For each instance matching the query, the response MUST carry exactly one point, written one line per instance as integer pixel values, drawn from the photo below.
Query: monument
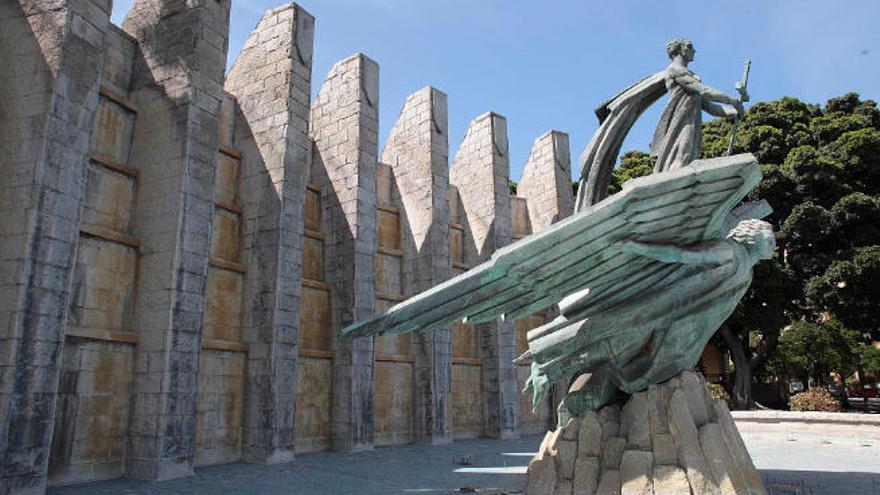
(642, 280)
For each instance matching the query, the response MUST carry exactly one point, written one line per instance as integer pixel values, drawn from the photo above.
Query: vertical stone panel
(271, 79)
(393, 353)
(315, 366)
(417, 151)
(546, 181)
(480, 173)
(51, 58)
(466, 367)
(177, 86)
(344, 128)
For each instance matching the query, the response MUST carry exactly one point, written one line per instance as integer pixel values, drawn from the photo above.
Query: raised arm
(714, 253)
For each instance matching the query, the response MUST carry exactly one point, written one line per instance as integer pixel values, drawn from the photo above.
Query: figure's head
(681, 46)
(757, 236)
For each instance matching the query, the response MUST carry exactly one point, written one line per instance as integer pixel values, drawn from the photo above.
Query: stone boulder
(672, 438)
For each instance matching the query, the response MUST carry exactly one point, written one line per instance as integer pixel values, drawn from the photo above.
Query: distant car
(865, 397)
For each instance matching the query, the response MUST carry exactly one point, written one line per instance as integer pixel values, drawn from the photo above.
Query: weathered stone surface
(737, 449)
(609, 483)
(546, 176)
(590, 435)
(675, 458)
(344, 130)
(690, 453)
(417, 150)
(636, 468)
(563, 487)
(586, 475)
(636, 423)
(612, 451)
(480, 174)
(670, 480)
(663, 447)
(695, 391)
(658, 403)
(609, 414)
(542, 476)
(723, 467)
(610, 429)
(566, 453)
(570, 430)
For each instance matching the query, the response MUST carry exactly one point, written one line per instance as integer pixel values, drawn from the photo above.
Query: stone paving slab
(791, 461)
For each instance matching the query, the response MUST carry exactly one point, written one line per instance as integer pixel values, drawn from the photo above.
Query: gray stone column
(344, 128)
(271, 80)
(51, 54)
(546, 181)
(418, 152)
(480, 172)
(177, 84)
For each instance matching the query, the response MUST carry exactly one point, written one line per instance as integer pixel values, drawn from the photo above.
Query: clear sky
(547, 64)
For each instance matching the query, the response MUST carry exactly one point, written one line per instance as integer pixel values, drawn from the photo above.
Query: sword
(743, 97)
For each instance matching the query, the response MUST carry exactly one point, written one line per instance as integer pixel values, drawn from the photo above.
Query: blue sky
(547, 64)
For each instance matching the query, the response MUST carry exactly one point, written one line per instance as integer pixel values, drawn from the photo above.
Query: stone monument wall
(181, 246)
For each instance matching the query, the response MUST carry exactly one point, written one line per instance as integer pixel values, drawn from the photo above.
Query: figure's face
(688, 52)
(765, 245)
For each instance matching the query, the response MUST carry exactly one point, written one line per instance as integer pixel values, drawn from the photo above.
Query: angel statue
(642, 279)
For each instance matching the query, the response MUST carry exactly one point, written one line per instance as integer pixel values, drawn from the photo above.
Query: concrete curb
(805, 417)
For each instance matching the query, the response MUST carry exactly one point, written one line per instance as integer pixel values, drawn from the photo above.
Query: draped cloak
(678, 136)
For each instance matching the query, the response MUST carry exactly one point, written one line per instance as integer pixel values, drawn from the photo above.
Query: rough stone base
(670, 439)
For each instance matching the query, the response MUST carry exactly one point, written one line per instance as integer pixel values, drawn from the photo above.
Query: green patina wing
(681, 207)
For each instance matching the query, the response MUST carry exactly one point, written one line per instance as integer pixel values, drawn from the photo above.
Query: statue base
(672, 438)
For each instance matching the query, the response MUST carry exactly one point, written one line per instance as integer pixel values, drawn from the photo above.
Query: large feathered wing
(682, 207)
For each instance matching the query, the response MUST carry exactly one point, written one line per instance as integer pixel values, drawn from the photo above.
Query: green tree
(632, 164)
(821, 169)
(822, 176)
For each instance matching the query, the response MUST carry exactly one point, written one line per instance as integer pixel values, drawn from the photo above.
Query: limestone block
(563, 487)
(570, 430)
(612, 451)
(609, 483)
(609, 414)
(658, 402)
(566, 452)
(712, 441)
(690, 453)
(636, 468)
(586, 475)
(695, 390)
(542, 476)
(635, 422)
(670, 480)
(737, 449)
(590, 435)
(664, 450)
(610, 429)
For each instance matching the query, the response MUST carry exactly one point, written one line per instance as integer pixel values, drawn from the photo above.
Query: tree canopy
(822, 177)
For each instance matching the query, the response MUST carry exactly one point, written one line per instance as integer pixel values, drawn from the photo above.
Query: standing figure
(677, 140)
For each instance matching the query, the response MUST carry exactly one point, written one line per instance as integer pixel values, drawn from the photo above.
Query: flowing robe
(678, 137)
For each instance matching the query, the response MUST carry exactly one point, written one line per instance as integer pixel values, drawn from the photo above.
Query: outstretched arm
(714, 253)
(691, 84)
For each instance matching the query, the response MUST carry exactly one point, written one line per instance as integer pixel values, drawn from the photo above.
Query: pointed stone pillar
(344, 130)
(418, 152)
(177, 84)
(271, 79)
(546, 181)
(51, 53)
(481, 172)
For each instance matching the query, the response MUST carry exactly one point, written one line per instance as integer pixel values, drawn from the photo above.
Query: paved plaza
(793, 460)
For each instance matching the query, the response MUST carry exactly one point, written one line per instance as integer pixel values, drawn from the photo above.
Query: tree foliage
(821, 169)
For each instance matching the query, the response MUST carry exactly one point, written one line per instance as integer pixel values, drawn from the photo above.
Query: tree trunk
(742, 383)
